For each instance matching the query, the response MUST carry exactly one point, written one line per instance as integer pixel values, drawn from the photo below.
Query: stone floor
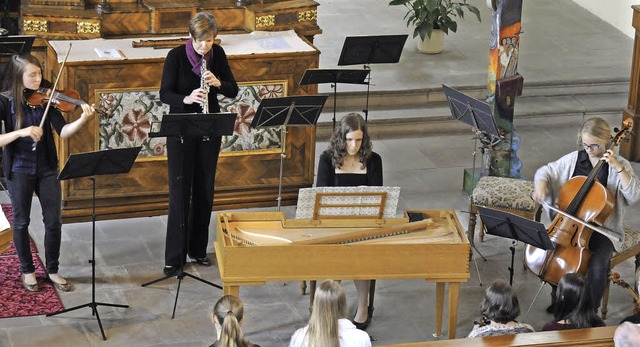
(561, 43)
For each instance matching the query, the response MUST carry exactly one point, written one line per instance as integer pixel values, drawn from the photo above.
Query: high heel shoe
(30, 287)
(363, 325)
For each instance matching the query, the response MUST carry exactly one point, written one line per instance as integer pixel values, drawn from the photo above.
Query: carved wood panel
(241, 180)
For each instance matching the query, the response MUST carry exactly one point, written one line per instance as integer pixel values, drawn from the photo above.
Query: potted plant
(434, 18)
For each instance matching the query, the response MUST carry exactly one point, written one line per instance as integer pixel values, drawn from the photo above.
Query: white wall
(615, 12)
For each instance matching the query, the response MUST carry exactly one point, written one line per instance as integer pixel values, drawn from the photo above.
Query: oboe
(205, 86)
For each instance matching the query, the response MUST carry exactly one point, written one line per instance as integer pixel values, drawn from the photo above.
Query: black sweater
(327, 172)
(178, 80)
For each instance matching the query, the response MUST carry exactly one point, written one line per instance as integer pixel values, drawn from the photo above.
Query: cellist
(616, 174)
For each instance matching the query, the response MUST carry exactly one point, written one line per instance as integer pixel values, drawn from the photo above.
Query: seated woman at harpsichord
(228, 314)
(574, 308)
(500, 309)
(349, 161)
(328, 325)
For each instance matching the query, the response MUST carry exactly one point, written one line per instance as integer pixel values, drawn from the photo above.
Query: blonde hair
(202, 25)
(329, 305)
(595, 127)
(228, 312)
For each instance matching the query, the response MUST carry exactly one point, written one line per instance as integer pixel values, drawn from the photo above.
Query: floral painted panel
(246, 138)
(128, 116)
(127, 121)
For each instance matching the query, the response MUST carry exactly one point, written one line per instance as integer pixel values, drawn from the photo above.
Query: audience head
(574, 302)
(627, 335)
(351, 137)
(500, 303)
(329, 305)
(227, 315)
(594, 136)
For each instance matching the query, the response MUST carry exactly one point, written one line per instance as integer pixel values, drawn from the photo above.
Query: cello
(585, 199)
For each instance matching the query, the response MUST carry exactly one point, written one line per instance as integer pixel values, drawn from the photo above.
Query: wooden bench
(578, 337)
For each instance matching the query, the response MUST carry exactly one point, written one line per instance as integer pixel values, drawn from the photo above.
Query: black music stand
(511, 226)
(17, 44)
(334, 76)
(190, 125)
(471, 111)
(287, 111)
(106, 162)
(477, 114)
(367, 50)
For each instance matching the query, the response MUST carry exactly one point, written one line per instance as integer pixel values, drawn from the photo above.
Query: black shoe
(171, 270)
(204, 261)
(362, 326)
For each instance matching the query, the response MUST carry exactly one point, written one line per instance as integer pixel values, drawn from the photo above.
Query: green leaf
(425, 15)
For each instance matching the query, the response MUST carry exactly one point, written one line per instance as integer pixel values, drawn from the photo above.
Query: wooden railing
(578, 337)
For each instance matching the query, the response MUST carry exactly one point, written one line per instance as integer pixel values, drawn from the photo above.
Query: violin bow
(53, 90)
(606, 232)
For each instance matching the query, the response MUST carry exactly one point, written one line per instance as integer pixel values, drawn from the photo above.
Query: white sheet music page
(110, 53)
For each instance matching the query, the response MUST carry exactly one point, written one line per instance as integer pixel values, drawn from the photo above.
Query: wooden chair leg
(312, 294)
(605, 296)
(472, 229)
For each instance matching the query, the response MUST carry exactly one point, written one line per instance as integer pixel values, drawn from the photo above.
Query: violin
(615, 278)
(64, 100)
(588, 200)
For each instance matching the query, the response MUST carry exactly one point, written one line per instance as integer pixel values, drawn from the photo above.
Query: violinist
(29, 171)
(616, 175)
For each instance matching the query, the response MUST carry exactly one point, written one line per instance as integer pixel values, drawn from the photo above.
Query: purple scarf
(196, 59)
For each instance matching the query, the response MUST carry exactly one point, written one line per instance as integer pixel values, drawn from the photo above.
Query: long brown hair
(13, 85)
(329, 305)
(229, 312)
(337, 144)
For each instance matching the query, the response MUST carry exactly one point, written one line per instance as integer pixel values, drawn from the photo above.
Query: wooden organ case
(244, 178)
(254, 248)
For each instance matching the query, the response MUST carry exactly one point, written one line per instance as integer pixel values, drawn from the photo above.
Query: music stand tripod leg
(533, 302)
(185, 237)
(93, 304)
(283, 131)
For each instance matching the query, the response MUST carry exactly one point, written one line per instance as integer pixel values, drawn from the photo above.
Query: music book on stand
(384, 49)
(346, 76)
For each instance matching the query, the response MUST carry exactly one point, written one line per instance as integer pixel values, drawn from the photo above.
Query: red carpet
(15, 301)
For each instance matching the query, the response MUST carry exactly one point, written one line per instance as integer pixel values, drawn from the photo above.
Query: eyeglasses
(593, 147)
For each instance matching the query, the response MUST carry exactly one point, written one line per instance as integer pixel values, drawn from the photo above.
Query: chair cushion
(504, 192)
(631, 239)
